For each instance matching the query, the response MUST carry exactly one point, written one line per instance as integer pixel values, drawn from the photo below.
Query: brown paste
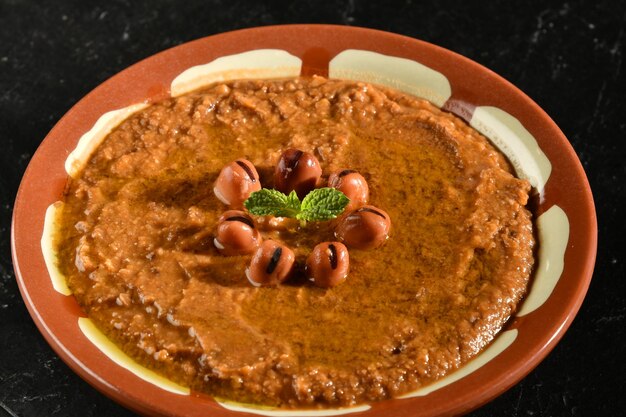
(136, 244)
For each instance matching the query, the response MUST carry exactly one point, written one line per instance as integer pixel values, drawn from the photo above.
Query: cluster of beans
(362, 226)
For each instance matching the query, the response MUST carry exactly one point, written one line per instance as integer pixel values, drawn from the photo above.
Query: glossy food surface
(135, 248)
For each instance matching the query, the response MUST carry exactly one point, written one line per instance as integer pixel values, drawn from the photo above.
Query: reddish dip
(135, 243)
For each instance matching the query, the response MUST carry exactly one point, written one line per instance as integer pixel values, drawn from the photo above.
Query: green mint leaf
(322, 204)
(293, 202)
(268, 202)
(265, 202)
(291, 207)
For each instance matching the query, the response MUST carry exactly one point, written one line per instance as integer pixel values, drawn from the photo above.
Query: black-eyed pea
(236, 182)
(236, 234)
(271, 264)
(365, 228)
(297, 170)
(352, 184)
(328, 264)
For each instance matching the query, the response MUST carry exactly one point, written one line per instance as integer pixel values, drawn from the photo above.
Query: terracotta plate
(563, 204)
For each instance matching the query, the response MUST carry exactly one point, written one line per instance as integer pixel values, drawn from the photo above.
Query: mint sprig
(318, 205)
(272, 202)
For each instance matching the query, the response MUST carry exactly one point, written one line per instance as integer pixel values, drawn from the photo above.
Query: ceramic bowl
(562, 206)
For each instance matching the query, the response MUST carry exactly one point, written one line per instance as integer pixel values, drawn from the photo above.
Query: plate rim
(460, 404)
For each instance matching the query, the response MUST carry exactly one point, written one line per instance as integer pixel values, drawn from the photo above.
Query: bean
(271, 264)
(352, 184)
(236, 182)
(236, 234)
(297, 170)
(364, 228)
(328, 264)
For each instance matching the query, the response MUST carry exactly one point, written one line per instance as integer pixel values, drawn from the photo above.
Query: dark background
(567, 56)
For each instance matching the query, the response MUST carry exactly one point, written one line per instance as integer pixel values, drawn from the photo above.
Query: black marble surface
(567, 56)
